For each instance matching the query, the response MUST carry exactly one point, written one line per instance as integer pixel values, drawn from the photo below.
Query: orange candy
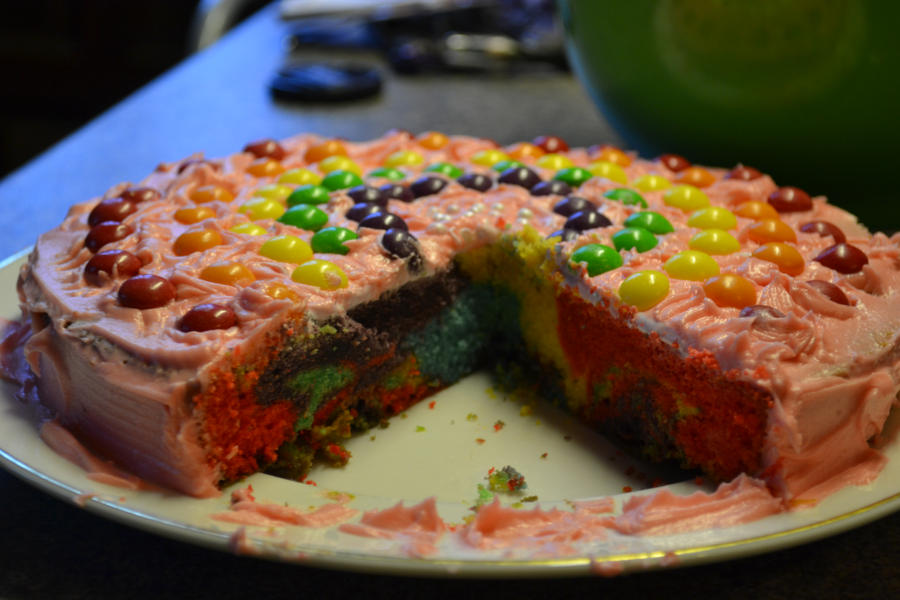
(265, 167)
(210, 193)
(730, 290)
(771, 230)
(696, 176)
(228, 273)
(756, 210)
(613, 155)
(279, 291)
(433, 140)
(195, 214)
(324, 149)
(525, 150)
(785, 256)
(196, 240)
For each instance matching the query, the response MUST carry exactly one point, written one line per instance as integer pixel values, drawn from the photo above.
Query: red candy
(843, 258)
(824, 229)
(111, 209)
(106, 233)
(790, 199)
(266, 148)
(112, 262)
(830, 291)
(140, 194)
(550, 143)
(146, 291)
(205, 317)
(742, 173)
(674, 162)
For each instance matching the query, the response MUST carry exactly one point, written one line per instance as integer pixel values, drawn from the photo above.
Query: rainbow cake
(226, 316)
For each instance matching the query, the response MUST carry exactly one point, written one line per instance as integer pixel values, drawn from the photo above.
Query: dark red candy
(790, 199)
(361, 210)
(111, 209)
(674, 162)
(554, 187)
(267, 147)
(824, 229)
(191, 162)
(205, 317)
(146, 291)
(521, 176)
(106, 233)
(396, 191)
(550, 143)
(586, 219)
(384, 220)
(843, 258)
(762, 311)
(830, 291)
(427, 185)
(140, 194)
(476, 181)
(742, 173)
(115, 263)
(368, 193)
(572, 204)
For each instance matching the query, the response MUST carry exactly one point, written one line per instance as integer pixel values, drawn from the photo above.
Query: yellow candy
(194, 214)
(404, 158)
(644, 289)
(339, 163)
(262, 208)
(287, 248)
(489, 158)
(554, 162)
(692, 265)
(320, 273)
(274, 191)
(609, 170)
(248, 229)
(686, 197)
(714, 241)
(651, 183)
(300, 176)
(713, 217)
(196, 240)
(228, 273)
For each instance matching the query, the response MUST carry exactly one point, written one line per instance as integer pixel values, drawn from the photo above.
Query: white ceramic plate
(434, 451)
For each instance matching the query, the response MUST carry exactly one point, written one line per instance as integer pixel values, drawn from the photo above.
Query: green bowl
(805, 90)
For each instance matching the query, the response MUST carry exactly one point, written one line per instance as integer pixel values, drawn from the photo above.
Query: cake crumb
(500, 481)
(479, 440)
(526, 410)
(499, 425)
(544, 455)
(471, 417)
(419, 428)
(431, 404)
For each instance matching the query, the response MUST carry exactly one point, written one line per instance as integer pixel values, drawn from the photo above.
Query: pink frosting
(419, 527)
(246, 510)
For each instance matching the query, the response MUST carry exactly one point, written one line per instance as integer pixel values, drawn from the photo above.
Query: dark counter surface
(216, 102)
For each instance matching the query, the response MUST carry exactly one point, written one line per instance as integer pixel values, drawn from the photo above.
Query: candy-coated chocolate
(339, 163)
(111, 210)
(824, 229)
(227, 273)
(361, 210)
(714, 241)
(330, 240)
(790, 199)
(105, 233)
(771, 230)
(743, 173)
(145, 291)
(686, 197)
(446, 169)
(308, 194)
(323, 150)
(696, 176)
(730, 290)
(383, 220)
(387, 173)
(574, 176)
(644, 289)
(370, 194)
(300, 176)
(489, 157)
(634, 238)
(788, 258)
(551, 188)
(275, 191)
(433, 140)
(626, 196)
(266, 147)
(608, 170)
(115, 263)
(196, 240)
(586, 219)
(830, 291)
(248, 229)
(399, 243)
(193, 214)
(265, 167)
(717, 217)
(286, 248)
(404, 158)
(304, 216)
(565, 235)
(524, 150)
(554, 162)
(674, 162)
(476, 181)
(756, 210)
(520, 176)
(341, 180)
(843, 258)
(321, 274)
(262, 208)
(279, 291)
(613, 155)
(651, 183)
(206, 317)
(570, 205)
(651, 221)
(396, 191)
(550, 143)
(598, 258)
(140, 194)
(427, 185)
(691, 265)
(505, 164)
(210, 193)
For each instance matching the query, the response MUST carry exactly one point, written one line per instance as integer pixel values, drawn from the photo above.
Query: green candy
(626, 196)
(651, 221)
(304, 216)
(308, 194)
(444, 168)
(574, 176)
(341, 180)
(505, 164)
(331, 240)
(635, 238)
(599, 258)
(387, 173)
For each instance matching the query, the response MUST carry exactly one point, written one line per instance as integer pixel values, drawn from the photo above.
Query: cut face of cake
(226, 316)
